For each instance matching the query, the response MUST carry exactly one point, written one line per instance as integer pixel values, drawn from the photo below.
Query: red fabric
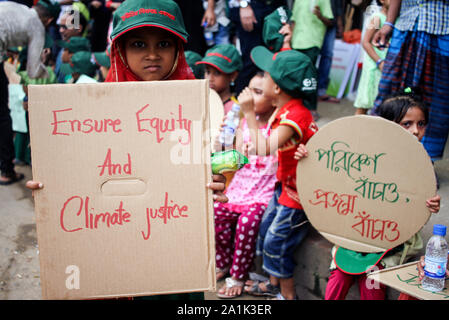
(119, 72)
(295, 115)
(339, 284)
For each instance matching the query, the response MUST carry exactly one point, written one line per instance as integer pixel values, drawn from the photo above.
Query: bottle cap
(439, 229)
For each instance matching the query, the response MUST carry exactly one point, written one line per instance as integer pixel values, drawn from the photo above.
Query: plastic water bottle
(435, 259)
(232, 122)
(209, 36)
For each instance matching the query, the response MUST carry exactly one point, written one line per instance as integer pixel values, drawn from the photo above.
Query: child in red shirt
(289, 78)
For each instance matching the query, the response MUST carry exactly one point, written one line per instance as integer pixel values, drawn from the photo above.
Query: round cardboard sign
(365, 183)
(216, 115)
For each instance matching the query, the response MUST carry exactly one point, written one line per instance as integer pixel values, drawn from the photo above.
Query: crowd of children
(259, 213)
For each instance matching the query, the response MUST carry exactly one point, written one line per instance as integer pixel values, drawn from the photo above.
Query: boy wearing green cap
(81, 68)
(103, 63)
(73, 45)
(223, 63)
(289, 78)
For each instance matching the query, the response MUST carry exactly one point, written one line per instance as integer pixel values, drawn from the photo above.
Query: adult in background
(418, 56)
(248, 17)
(193, 13)
(327, 50)
(20, 26)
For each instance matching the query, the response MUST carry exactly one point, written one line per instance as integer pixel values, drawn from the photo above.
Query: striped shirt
(432, 16)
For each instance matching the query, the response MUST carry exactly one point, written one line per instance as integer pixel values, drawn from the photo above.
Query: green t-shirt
(309, 31)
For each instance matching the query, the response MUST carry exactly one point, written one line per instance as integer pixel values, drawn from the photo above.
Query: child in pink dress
(251, 188)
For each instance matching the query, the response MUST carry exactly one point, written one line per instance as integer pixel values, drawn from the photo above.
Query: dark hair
(395, 106)
(42, 11)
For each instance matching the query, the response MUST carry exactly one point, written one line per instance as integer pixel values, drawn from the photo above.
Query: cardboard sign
(125, 210)
(365, 183)
(404, 278)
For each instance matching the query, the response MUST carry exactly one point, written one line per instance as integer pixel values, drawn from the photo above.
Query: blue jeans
(327, 52)
(279, 235)
(222, 35)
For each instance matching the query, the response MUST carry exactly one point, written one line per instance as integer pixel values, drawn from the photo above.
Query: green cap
(102, 58)
(224, 57)
(192, 58)
(272, 24)
(291, 70)
(76, 44)
(52, 6)
(164, 14)
(81, 63)
(354, 262)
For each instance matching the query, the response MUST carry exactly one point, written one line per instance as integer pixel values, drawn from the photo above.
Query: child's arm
(434, 204)
(371, 29)
(277, 138)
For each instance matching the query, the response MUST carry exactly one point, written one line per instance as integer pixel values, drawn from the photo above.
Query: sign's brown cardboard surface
(365, 183)
(125, 210)
(404, 278)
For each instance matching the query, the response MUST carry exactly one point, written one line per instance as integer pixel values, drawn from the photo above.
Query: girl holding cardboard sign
(407, 110)
(147, 45)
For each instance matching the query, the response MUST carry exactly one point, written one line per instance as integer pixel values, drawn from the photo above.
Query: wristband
(378, 62)
(389, 24)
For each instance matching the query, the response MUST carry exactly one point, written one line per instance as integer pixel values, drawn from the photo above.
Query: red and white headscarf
(120, 71)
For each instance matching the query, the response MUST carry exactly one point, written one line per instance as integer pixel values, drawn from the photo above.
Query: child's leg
(361, 111)
(225, 222)
(370, 289)
(284, 235)
(267, 219)
(338, 285)
(245, 240)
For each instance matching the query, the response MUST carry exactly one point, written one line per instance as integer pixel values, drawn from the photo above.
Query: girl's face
(150, 53)
(415, 122)
(218, 80)
(261, 103)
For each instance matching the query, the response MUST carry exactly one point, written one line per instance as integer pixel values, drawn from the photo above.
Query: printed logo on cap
(309, 84)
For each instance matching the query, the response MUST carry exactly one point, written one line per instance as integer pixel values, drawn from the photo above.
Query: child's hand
(301, 152)
(33, 185)
(421, 265)
(246, 101)
(286, 31)
(433, 204)
(218, 185)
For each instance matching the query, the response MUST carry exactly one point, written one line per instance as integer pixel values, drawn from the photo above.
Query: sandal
(14, 177)
(231, 283)
(255, 290)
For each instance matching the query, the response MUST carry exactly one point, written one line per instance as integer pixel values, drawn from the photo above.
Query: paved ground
(19, 253)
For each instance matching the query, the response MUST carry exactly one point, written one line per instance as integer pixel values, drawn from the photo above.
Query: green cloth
(22, 147)
(291, 70)
(371, 74)
(26, 80)
(223, 57)
(309, 31)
